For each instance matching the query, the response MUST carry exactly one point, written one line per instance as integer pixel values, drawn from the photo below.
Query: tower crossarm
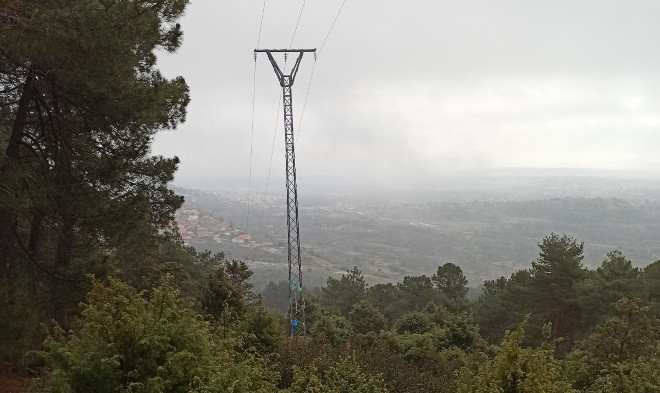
(285, 80)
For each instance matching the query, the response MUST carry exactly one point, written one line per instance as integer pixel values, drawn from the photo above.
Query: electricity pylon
(296, 300)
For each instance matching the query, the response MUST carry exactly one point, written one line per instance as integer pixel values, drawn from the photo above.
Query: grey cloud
(408, 90)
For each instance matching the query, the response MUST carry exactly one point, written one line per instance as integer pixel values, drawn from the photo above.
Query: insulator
(255, 56)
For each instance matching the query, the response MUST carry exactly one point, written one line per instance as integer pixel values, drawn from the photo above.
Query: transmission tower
(296, 300)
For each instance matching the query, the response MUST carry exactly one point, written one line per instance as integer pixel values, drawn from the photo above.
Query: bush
(127, 343)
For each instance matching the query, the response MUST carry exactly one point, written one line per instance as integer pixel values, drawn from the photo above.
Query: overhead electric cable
(297, 23)
(270, 166)
(302, 113)
(334, 22)
(331, 27)
(316, 55)
(261, 23)
(254, 95)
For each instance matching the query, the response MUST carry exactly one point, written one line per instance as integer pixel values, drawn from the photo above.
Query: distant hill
(488, 225)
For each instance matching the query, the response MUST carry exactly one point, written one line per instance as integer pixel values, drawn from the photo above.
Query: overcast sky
(406, 91)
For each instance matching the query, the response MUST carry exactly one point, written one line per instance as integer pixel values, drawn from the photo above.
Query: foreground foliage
(217, 335)
(516, 369)
(126, 342)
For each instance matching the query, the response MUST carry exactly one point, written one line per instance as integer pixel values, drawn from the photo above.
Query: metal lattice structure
(296, 299)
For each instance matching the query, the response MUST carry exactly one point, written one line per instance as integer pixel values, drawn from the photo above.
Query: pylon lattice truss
(296, 299)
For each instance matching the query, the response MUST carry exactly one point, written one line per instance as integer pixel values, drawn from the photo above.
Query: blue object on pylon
(295, 322)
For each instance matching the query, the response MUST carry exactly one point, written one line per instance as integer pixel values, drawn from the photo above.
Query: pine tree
(451, 282)
(342, 294)
(614, 280)
(554, 275)
(81, 100)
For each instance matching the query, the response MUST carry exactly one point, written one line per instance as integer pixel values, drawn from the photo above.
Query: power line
(302, 113)
(296, 299)
(272, 150)
(261, 23)
(309, 84)
(332, 26)
(297, 22)
(270, 166)
(254, 95)
(311, 76)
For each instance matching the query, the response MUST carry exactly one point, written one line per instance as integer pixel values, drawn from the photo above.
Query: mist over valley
(488, 224)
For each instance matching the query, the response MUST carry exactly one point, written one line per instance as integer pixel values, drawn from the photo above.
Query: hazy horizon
(406, 92)
(341, 185)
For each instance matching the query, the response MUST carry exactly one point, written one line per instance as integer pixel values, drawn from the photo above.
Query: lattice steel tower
(296, 300)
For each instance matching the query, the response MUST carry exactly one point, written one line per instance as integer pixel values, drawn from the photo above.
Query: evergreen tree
(364, 318)
(503, 304)
(621, 355)
(651, 287)
(554, 275)
(386, 298)
(416, 292)
(228, 293)
(458, 331)
(614, 280)
(342, 294)
(330, 327)
(81, 100)
(451, 282)
(263, 331)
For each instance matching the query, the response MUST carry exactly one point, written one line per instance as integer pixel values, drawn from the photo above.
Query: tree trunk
(36, 225)
(62, 259)
(8, 167)
(36, 229)
(20, 119)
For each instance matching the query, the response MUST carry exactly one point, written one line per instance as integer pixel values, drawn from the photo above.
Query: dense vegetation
(97, 293)
(555, 327)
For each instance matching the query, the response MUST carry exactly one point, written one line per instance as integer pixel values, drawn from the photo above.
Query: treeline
(571, 330)
(553, 327)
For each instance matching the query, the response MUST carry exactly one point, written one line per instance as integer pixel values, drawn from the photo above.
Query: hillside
(489, 229)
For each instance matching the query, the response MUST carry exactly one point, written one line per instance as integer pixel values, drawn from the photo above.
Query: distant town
(196, 226)
(489, 230)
